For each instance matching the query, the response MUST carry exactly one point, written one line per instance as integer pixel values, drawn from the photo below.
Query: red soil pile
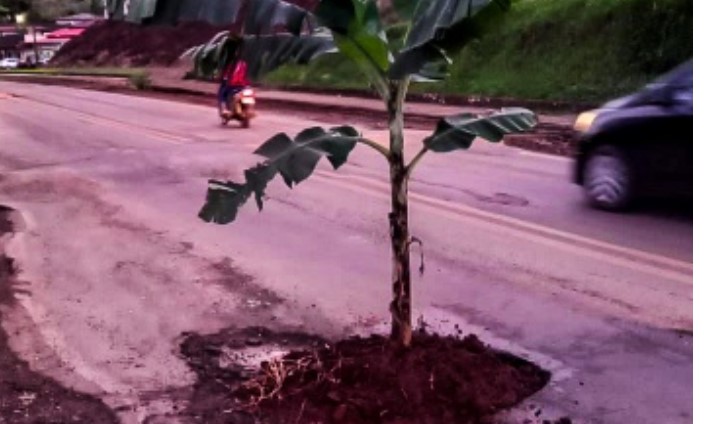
(119, 44)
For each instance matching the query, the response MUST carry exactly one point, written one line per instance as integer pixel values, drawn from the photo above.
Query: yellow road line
(543, 156)
(650, 263)
(115, 123)
(165, 136)
(631, 258)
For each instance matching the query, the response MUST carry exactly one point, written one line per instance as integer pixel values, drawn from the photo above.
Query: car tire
(608, 179)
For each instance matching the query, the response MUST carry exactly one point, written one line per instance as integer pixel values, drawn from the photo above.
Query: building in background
(10, 44)
(42, 41)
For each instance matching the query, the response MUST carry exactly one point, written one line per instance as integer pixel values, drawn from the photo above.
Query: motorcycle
(241, 108)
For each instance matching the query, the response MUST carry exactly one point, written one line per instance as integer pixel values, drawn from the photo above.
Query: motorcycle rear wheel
(245, 116)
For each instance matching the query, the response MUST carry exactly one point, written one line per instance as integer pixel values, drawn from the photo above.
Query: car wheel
(608, 179)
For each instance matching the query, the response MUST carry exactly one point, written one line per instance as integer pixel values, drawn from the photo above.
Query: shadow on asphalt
(681, 210)
(677, 210)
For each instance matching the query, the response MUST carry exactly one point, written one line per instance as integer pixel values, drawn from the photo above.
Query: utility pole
(22, 20)
(34, 43)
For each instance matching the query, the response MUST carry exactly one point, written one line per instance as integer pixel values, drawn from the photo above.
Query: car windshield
(675, 86)
(681, 76)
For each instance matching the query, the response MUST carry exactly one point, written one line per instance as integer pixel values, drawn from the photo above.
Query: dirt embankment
(124, 44)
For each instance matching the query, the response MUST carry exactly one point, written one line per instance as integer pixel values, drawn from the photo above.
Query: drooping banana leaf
(216, 12)
(294, 159)
(255, 16)
(459, 131)
(139, 10)
(439, 28)
(267, 53)
(207, 57)
(405, 8)
(265, 17)
(115, 9)
(274, 33)
(263, 54)
(359, 35)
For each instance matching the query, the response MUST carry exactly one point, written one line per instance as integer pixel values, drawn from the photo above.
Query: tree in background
(13, 7)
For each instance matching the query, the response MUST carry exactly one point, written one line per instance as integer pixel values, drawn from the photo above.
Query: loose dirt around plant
(27, 397)
(358, 380)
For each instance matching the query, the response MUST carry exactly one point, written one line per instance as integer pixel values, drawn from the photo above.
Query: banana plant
(353, 28)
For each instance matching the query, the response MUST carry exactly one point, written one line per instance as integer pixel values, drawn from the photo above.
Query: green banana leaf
(294, 159)
(440, 28)
(263, 54)
(459, 131)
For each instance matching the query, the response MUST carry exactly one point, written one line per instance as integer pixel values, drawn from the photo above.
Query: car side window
(683, 95)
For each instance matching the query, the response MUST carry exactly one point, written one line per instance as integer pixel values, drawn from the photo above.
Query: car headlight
(585, 120)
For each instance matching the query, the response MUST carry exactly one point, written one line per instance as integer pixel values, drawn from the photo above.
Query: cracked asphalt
(116, 266)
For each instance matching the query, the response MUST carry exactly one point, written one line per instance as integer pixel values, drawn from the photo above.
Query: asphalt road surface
(115, 264)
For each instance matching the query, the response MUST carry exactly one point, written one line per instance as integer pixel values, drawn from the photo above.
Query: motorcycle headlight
(585, 120)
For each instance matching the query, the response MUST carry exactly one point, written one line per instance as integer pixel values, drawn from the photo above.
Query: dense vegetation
(550, 49)
(584, 50)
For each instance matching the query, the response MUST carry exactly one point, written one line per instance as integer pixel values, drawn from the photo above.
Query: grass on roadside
(85, 72)
(574, 50)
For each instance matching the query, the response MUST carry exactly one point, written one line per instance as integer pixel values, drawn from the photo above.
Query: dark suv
(638, 145)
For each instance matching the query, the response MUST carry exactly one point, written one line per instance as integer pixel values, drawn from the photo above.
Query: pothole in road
(497, 198)
(27, 396)
(242, 351)
(257, 375)
(504, 199)
(250, 358)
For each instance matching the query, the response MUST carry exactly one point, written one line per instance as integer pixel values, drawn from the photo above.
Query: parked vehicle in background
(638, 145)
(9, 63)
(27, 64)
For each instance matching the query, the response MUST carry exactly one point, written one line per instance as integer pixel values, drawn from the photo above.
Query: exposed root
(275, 374)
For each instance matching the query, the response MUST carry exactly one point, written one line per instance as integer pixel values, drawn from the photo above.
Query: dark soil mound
(119, 43)
(366, 380)
(27, 397)
(114, 43)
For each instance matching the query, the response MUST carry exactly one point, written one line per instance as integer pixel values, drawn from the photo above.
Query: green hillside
(586, 50)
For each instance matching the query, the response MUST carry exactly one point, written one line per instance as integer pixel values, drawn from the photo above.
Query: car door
(681, 169)
(667, 136)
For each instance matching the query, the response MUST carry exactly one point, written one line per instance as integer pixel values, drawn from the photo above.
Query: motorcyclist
(232, 80)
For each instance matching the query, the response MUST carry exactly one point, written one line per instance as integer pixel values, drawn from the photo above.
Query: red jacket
(236, 74)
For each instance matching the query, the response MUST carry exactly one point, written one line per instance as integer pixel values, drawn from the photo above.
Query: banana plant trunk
(401, 329)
